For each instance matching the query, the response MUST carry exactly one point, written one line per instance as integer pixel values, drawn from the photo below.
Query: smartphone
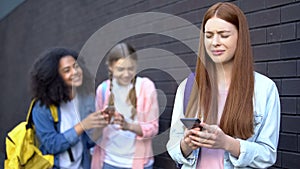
(191, 123)
(110, 110)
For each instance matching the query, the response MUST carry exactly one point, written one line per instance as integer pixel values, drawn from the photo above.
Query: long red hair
(237, 116)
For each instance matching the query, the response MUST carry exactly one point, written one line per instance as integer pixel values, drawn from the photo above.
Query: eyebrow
(68, 66)
(124, 67)
(217, 32)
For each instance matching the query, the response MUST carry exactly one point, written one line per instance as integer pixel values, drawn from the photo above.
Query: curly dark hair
(46, 84)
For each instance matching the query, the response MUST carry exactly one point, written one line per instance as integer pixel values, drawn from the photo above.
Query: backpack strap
(54, 113)
(29, 118)
(53, 110)
(188, 90)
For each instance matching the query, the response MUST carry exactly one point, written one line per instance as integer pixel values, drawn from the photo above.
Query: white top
(69, 118)
(121, 145)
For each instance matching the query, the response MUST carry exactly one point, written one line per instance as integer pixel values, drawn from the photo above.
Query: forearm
(79, 129)
(232, 146)
(185, 149)
(135, 128)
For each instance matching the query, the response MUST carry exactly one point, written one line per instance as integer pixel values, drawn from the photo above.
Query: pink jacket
(147, 115)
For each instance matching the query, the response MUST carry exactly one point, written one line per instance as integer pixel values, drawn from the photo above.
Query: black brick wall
(38, 24)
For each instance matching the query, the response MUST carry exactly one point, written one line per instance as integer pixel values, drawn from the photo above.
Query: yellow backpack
(22, 150)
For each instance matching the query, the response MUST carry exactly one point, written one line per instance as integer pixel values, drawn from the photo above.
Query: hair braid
(111, 96)
(132, 98)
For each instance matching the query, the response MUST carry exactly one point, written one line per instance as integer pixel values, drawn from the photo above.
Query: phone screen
(190, 123)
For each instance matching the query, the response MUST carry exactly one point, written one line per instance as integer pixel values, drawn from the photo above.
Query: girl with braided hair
(126, 141)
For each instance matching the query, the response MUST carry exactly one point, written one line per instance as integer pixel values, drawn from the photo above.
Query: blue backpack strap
(188, 90)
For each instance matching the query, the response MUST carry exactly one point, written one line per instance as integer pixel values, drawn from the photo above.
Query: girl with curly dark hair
(58, 78)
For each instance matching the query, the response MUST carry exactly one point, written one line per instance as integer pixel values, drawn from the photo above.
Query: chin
(76, 84)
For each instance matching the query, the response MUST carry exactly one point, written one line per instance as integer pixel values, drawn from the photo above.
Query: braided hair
(119, 51)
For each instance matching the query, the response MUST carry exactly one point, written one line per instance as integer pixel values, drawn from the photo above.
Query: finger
(209, 128)
(202, 144)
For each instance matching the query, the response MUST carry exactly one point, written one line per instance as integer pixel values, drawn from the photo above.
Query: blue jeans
(107, 166)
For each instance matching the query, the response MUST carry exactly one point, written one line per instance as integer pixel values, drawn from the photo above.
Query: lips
(217, 52)
(77, 78)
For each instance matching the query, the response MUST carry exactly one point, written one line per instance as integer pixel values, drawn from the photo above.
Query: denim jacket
(54, 142)
(258, 151)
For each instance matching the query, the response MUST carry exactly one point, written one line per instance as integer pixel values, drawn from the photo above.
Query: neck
(224, 72)
(72, 93)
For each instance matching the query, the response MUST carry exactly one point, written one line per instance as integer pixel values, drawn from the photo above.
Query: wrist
(79, 128)
(185, 149)
(128, 127)
(232, 146)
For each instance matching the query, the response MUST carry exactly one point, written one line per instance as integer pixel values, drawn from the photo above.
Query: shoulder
(261, 78)
(39, 110)
(264, 86)
(262, 81)
(145, 82)
(182, 84)
(105, 83)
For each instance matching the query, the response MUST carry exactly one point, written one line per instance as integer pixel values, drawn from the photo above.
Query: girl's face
(220, 39)
(70, 71)
(123, 70)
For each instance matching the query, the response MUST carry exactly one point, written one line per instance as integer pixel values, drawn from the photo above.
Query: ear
(110, 68)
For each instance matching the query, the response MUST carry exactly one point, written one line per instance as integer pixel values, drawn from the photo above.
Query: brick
(177, 8)
(290, 124)
(281, 33)
(254, 5)
(266, 52)
(288, 105)
(290, 160)
(164, 125)
(298, 68)
(169, 88)
(298, 30)
(278, 83)
(282, 69)
(298, 143)
(290, 13)
(291, 87)
(157, 4)
(167, 114)
(264, 18)
(274, 3)
(290, 50)
(196, 4)
(258, 36)
(278, 159)
(288, 142)
(189, 58)
(194, 17)
(261, 67)
(298, 105)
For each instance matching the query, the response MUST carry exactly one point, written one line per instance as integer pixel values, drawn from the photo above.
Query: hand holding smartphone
(110, 111)
(191, 123)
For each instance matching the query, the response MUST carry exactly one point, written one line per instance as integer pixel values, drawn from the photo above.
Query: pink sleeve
(148, 110)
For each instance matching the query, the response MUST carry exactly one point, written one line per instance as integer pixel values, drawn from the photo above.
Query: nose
(126, 73)
(216, 40)
(74, 70)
